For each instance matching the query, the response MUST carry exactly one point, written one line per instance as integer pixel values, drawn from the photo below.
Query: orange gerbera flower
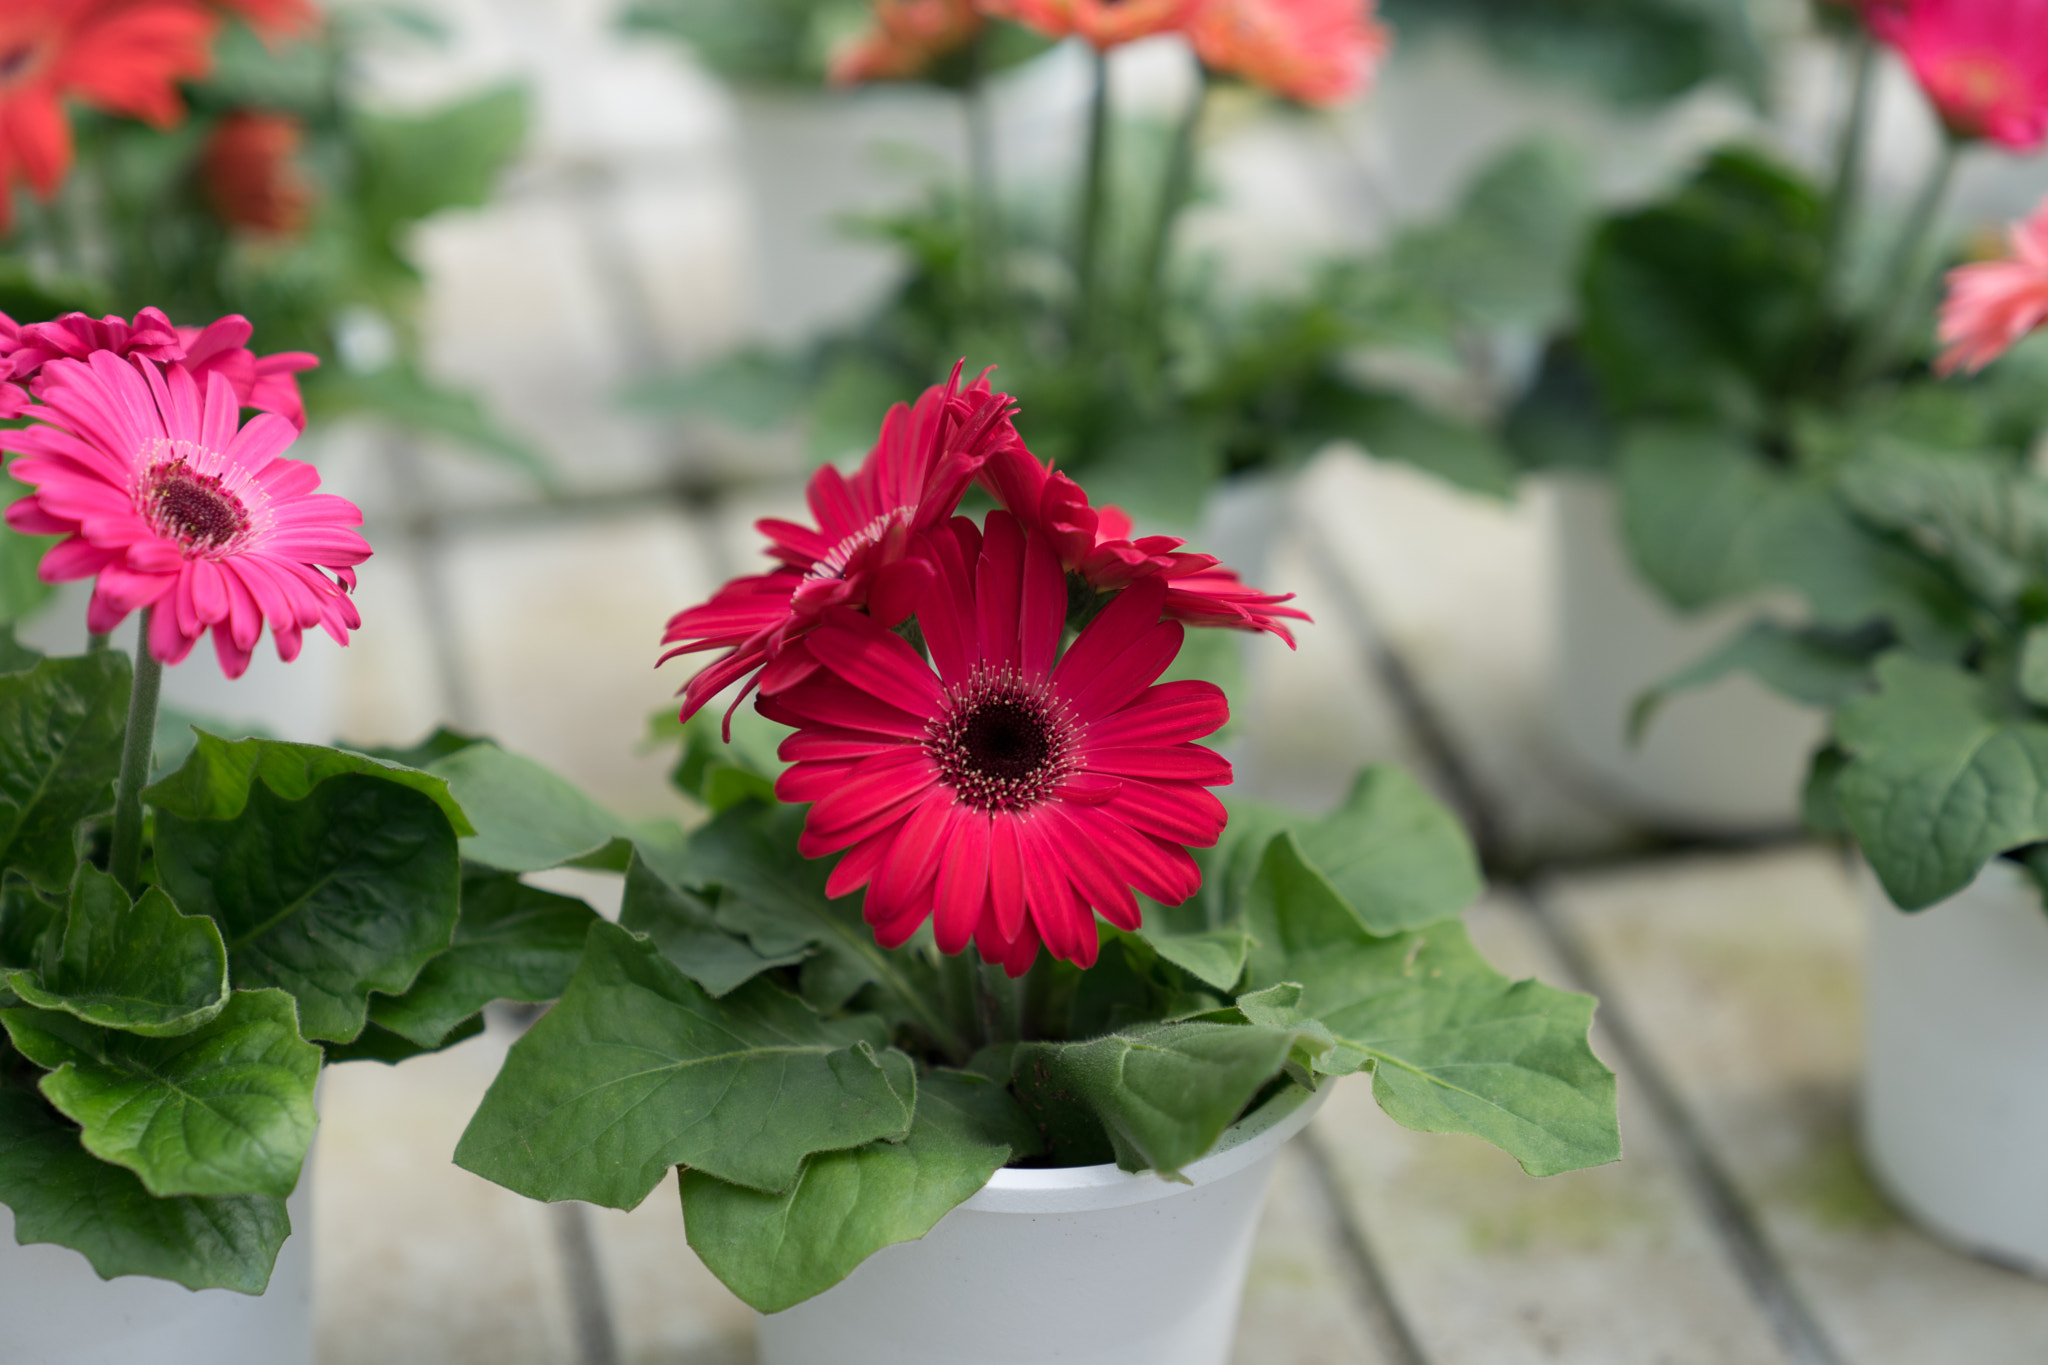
(1314, 51)
(120, 56)
(1105, 23)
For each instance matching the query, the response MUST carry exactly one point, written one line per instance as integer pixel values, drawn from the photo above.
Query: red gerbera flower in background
(1013, 793)
(1096, 544)
(907, 36)
(121, 56)
(170, 505)
(250, 180)
(1105, 23)
(1991, 305)
(1314, 51)
(265, 383)
(1983, 63)
(859, 554)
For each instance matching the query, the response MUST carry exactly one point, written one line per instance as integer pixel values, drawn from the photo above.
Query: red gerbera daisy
(1983, 63)
(122, 56)
(1095, 543)
(1314, 51)
(859, 554)
(265, 383)
(1003, 791)
(171, 506)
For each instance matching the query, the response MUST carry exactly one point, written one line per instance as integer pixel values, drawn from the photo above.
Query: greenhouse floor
(1740, 1227)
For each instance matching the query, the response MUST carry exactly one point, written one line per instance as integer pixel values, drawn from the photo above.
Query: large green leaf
(1816, 668)
(143, 968)
(527, 818)
(1454, 1046)
(27, 918)
(61, 726)
(685, 927)
(415, 165)
(1696, 506)
(1941, 778)
(636, 1070)
(226, 1109)
(776, 1250)
(1166, 1092)
(352, 889)
(215, 781)
(1982, 515)
(61, 1193)
(513, 942)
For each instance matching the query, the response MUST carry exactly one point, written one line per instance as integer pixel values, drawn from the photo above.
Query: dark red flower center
(1002, 744)
(192, 508)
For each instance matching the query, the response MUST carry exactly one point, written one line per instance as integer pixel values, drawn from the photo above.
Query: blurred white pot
(56, 1310)
(1087, 1266)
(1729, 759)
(1955, 1085)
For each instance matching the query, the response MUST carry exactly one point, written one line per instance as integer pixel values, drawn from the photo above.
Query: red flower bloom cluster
(906, 37)
(1983, 63)
(120, 56)
(266, 383)
(250, 180)
(1005, 791)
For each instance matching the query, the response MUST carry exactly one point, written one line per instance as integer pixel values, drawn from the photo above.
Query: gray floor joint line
(1805, 1341)
(1388, 1326)
(596, 1340)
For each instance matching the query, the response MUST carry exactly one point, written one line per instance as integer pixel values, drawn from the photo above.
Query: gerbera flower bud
(1005, 792)
(1991, 305)
(249, 174)
(906, 37)
(1313, 51)
(1983, 63)
(120, 58)
(169, 504)
(1104, 23)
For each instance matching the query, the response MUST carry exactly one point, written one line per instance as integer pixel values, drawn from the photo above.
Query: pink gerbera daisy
(1983, 63)
(1992, 304)
(171, 506)
(1095, 544)
(1003, 791)
(859, 554)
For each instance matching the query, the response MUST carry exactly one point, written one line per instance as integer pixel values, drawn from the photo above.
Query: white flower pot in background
(1955, 1081)
(1729, 759)
(55, 1310)
(1086, 1266)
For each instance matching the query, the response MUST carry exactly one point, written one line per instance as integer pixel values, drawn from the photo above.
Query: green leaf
(753, 390)
(1395, 427)
(26, 918)
(1454, 1046)
(414, 166)
(1694, 503)
(1981, 515)
(61, 727)
(349, 890)
(226, 1109)
(776, 1250)
(684, 926)
(142, 968)
(376, 1044)
(527, 818)
(1214, 957)
(1167, 1092)
(1940, 778)
(215, 782)
(1816, 668)
(61, 1193)
(512, 942)
(2033, 676)
(636, 1070)
(22, 592)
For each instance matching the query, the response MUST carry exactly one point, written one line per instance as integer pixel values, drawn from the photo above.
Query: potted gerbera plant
(180, 953)
(976, 998)
(1737, 343)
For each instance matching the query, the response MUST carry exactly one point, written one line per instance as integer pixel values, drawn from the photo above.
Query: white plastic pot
(1955, 1081)
(1084, 1266)
(1729, 759)
(56, 1310)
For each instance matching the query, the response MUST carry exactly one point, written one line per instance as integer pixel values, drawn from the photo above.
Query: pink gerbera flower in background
(859, 555)
(1313, 51)
(171, 505)
(1983, 63)
(1991, 305)
(1104, 23)
(266, 383)
(1003, 791)
(906, 37)
(1095, 544)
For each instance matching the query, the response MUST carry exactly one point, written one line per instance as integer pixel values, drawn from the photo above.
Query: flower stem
(97, 642)
(1903, 275)
(1848, 166)
(1173, 198)
(1094, 180)
(136, 751)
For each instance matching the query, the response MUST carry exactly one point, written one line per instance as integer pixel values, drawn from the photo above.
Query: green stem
(1848, 167)
(136, 750)
(1903, 277)
(1088, 240)
(97, 642)
(1173, 198)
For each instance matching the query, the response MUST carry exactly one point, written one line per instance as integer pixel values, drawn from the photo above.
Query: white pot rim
(1081, 1189)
